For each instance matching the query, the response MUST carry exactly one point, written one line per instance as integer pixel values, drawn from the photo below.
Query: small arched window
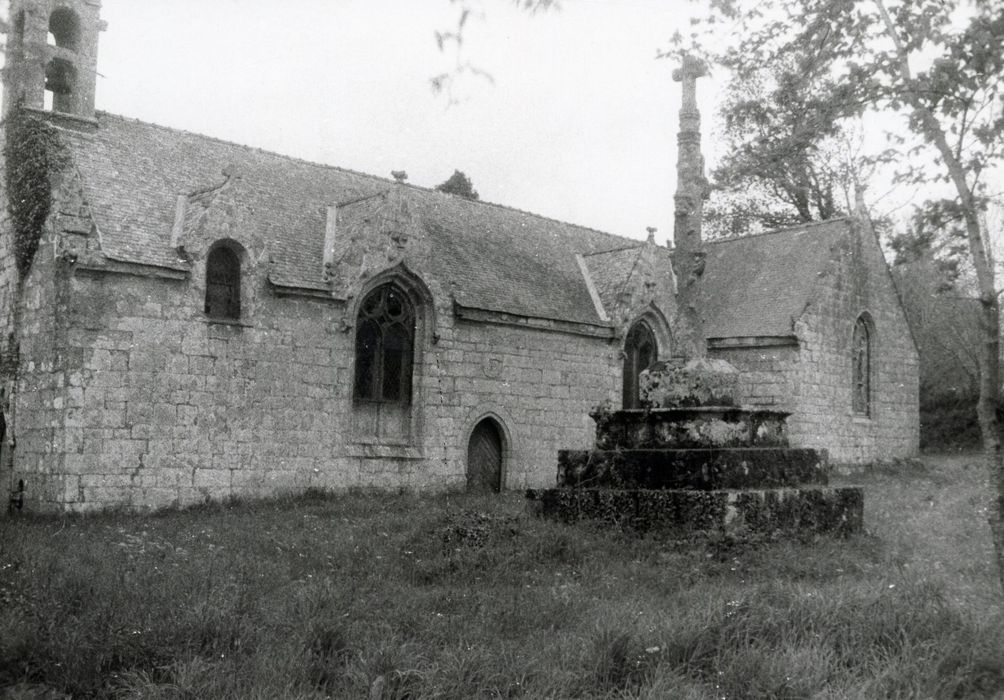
(861, 360)
(60, 85)
(223, 284)
(385, 341)
(640, 351)
(64, 29)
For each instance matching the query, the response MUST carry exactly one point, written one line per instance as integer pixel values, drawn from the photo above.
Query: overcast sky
(578, 125)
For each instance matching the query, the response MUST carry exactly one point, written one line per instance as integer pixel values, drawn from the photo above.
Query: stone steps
(694, 469)
(694, 461)
(678, 512)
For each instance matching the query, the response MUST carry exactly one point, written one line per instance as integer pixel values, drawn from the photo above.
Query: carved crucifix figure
(691, 191)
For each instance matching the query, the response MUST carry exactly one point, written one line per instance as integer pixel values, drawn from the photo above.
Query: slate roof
(494, 257)
(490, 256)
(759, 285)
(610, 271)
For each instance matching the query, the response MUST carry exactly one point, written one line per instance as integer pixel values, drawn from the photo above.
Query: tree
(780, 140)
(937, 243)
(792, 154)
(459, 184)
(945, 327)
(938, 65)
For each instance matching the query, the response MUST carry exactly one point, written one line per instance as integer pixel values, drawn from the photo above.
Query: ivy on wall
(33, 155)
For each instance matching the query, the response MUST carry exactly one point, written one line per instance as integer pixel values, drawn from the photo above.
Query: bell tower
(52, 56)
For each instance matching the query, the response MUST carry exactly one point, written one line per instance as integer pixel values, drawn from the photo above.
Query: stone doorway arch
(640, 350)
(485, 456)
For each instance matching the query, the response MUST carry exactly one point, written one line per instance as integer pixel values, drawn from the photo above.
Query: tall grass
(364, 595)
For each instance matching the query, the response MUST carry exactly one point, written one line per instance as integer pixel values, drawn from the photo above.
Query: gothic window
(64, 29)
(223, 284)
(385, 339)
(640, 351)
(861, 349)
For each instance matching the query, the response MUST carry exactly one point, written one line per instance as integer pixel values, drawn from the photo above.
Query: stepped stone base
(695, 462)
(680, 512)
(703, 469)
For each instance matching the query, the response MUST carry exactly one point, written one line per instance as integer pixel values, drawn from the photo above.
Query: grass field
(374, 596)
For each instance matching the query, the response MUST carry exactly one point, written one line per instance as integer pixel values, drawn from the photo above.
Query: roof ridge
(614, 250)
(785, 229)
(388, 181)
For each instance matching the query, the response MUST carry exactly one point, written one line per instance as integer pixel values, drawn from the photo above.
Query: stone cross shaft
(691, 190)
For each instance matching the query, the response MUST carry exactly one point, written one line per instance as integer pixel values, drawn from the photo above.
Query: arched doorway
(640, 351)
(484, 458)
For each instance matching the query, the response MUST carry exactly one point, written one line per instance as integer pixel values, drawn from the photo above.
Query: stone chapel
(203, 319)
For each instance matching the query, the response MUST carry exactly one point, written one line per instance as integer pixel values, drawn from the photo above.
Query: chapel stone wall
(856, 283)
(8, 339)
(164, 407)
(35, 334)
(768, 375)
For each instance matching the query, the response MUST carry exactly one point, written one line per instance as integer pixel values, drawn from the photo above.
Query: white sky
(580, 124)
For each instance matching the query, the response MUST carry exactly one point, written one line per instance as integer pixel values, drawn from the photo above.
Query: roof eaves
(752, 341)
(123, 266)
(543, 323)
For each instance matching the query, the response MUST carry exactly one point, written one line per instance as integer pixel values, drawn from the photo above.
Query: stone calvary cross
(691, 191)
(693, 460)
(690, 378)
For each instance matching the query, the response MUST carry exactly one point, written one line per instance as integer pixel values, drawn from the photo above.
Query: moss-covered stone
(698, 382)
(679, 512)
(690, 427)
(699, 469)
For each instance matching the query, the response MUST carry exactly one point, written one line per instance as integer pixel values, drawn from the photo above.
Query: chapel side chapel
(203, 319)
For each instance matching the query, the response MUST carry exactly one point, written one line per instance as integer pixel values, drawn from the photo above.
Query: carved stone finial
(691, 67)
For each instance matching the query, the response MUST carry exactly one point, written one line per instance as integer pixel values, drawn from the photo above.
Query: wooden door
(484, 458)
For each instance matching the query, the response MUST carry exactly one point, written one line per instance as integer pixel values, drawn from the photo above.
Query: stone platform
(689, 468)
(681, 512)
(701, 469)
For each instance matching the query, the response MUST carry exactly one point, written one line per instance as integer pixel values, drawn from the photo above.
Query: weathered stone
(676, 512)
(698, 382)
(690, 427)
(700, 469)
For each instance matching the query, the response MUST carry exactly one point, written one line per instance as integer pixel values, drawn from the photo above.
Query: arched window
(385, 340)
(223, 284)
(640, 351)
(861, 359)
(64, 29)
(60, 85)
